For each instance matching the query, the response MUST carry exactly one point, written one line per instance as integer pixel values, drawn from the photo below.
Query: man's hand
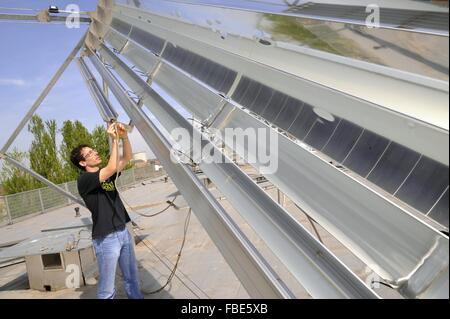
(117, 130)
(123, 133)
(112, 131)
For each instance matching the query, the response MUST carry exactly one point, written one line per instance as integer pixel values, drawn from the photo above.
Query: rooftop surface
(202, 271)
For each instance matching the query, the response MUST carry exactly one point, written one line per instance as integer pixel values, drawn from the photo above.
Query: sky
(30, 54)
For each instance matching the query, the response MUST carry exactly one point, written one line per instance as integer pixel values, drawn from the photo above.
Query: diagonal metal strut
(41, 178)
(44, 94)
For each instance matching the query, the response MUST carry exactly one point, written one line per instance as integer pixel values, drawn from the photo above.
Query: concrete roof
(202, 272)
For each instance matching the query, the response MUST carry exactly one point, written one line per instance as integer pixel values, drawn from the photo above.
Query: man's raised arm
(111, 168)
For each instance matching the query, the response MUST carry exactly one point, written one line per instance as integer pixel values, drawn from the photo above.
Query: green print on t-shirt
(109, 187)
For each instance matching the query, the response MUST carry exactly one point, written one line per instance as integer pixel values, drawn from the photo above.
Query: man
(112, 240)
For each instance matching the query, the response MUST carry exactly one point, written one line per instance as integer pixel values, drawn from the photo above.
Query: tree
(15, 180)
(74, 134)
(100, 141)
(47, 159)
(43, 153)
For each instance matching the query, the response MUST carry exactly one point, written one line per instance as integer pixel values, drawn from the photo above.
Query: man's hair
(76, 157)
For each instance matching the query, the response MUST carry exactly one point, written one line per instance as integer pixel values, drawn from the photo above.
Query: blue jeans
(116, 248)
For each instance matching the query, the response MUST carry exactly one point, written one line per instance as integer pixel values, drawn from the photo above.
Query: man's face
(91, 157)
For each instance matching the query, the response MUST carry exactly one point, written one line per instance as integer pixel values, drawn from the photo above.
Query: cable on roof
(171, 204)
(172, 273)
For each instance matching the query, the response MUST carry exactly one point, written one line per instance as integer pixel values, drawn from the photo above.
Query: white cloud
(12, 82)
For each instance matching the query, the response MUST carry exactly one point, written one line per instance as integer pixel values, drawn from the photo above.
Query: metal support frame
(25, 120)
(299, 179)
(255, 274)
(41, 178)
(322, 277)
(105, 90)
(106, 110)
(262, 281)
(44, 93)
(34, 17)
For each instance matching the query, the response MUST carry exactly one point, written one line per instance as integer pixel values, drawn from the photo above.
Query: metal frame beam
(34, 17)
(255, 274)
(314, 266)
(106, 110)
(41, 178)
(390, 229)
(44, 94)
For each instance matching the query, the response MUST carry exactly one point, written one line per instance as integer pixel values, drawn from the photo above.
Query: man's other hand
(123, 133)
(112, 131)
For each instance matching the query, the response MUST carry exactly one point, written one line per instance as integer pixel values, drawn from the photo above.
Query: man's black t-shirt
(99, 199)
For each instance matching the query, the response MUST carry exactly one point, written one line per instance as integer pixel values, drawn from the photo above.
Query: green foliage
(15, 180)
(43, 153)
(49, 160)
(74, 134)
(100, 141)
